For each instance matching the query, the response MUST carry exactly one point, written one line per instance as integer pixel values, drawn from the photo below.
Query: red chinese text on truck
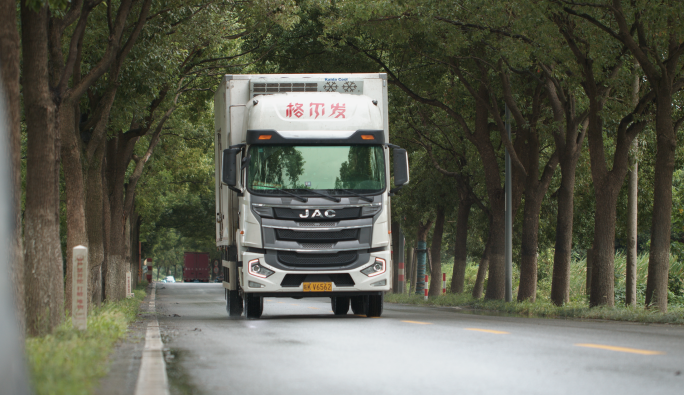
(196, 267)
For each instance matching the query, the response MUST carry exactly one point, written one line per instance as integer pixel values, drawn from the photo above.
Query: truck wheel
(340, 305)
(375, 305)
(233, 303)
(359, 305)
(254, 306)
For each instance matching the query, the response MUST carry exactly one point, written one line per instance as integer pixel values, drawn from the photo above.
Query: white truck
(303, 189)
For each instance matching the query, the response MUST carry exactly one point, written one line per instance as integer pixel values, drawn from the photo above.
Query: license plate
(317, 287)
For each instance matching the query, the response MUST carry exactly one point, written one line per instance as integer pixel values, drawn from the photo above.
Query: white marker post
(79, 288)
(128, 284)
(426, 287)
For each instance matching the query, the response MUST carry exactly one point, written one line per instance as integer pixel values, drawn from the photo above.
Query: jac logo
(317, 213)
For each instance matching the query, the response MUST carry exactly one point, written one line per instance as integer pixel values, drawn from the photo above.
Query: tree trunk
(495, 282)
(75, 199)
(106, 225)
(127, 259)
(527, 290)
(411, 267)
(121, 152)
(632, 208)
(9, 70)
(436, 254)
(423, 230)
(108, 184)
(483, 266)
(661, 223)
(460, 246)
(562, 255)
(95, 223)
(135, 239)
(603, 270)
(568, 139)
(495, 250)
(43, 264)
(590, 265)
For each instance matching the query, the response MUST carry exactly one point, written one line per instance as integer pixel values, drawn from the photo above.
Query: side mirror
(401, 169)
(229, 168)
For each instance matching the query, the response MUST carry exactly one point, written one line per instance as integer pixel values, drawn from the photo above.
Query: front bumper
(363, 284)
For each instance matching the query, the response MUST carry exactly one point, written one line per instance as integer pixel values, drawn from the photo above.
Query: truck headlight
(377, 268)
(256, 269)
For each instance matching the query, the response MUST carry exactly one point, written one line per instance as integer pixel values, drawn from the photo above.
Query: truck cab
(303, 190)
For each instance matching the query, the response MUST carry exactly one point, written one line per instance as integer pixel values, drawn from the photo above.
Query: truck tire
(340, 305)
(254, 306)
(359, 305)
(375, 305)
(233, 303)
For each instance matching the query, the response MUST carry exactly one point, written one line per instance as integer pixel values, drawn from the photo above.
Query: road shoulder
(124, 362)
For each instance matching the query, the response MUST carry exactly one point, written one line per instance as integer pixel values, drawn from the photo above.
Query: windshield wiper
(333, 198)
(300, 198)
(364, 197)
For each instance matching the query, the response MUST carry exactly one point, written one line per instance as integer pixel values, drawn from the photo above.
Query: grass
(69, 361)
(578, 306)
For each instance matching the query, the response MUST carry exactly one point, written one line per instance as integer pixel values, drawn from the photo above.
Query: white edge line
(152, 379)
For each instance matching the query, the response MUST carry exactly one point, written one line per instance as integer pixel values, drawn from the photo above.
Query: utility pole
(509, 217)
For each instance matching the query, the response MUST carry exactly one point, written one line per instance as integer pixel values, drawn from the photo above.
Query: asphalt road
(300, 347)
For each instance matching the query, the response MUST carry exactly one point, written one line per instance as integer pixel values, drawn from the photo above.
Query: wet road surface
(300, 347)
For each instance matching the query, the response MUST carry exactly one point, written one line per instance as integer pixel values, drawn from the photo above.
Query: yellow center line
(315, 308)
(487, 331)
(620, 349)
(418, 322)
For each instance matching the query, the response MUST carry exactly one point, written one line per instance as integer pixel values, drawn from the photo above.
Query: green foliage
(578, 307)
(464, 302)
(186, 47)
(70, 361)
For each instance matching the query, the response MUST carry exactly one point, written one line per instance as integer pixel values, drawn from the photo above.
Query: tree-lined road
(300, 347)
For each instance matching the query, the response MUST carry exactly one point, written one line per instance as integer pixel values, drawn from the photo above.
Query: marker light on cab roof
(265, 137)
(367, 137)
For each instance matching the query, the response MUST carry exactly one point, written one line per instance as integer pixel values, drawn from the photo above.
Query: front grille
(315, 214)
(295, 259)
(338, 235)
(340, 279)
(318, 224)
(317, 246)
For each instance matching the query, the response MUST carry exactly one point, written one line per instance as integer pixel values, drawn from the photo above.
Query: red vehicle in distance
(196, 267)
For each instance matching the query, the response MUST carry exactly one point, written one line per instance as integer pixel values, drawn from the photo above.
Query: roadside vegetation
(70, 361)
(112, 137)
(577, 307)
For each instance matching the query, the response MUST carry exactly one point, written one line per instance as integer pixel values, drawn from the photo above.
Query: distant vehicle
(169, 279)
(196, 267)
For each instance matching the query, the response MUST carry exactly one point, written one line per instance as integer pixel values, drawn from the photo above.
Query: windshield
(336, 170)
